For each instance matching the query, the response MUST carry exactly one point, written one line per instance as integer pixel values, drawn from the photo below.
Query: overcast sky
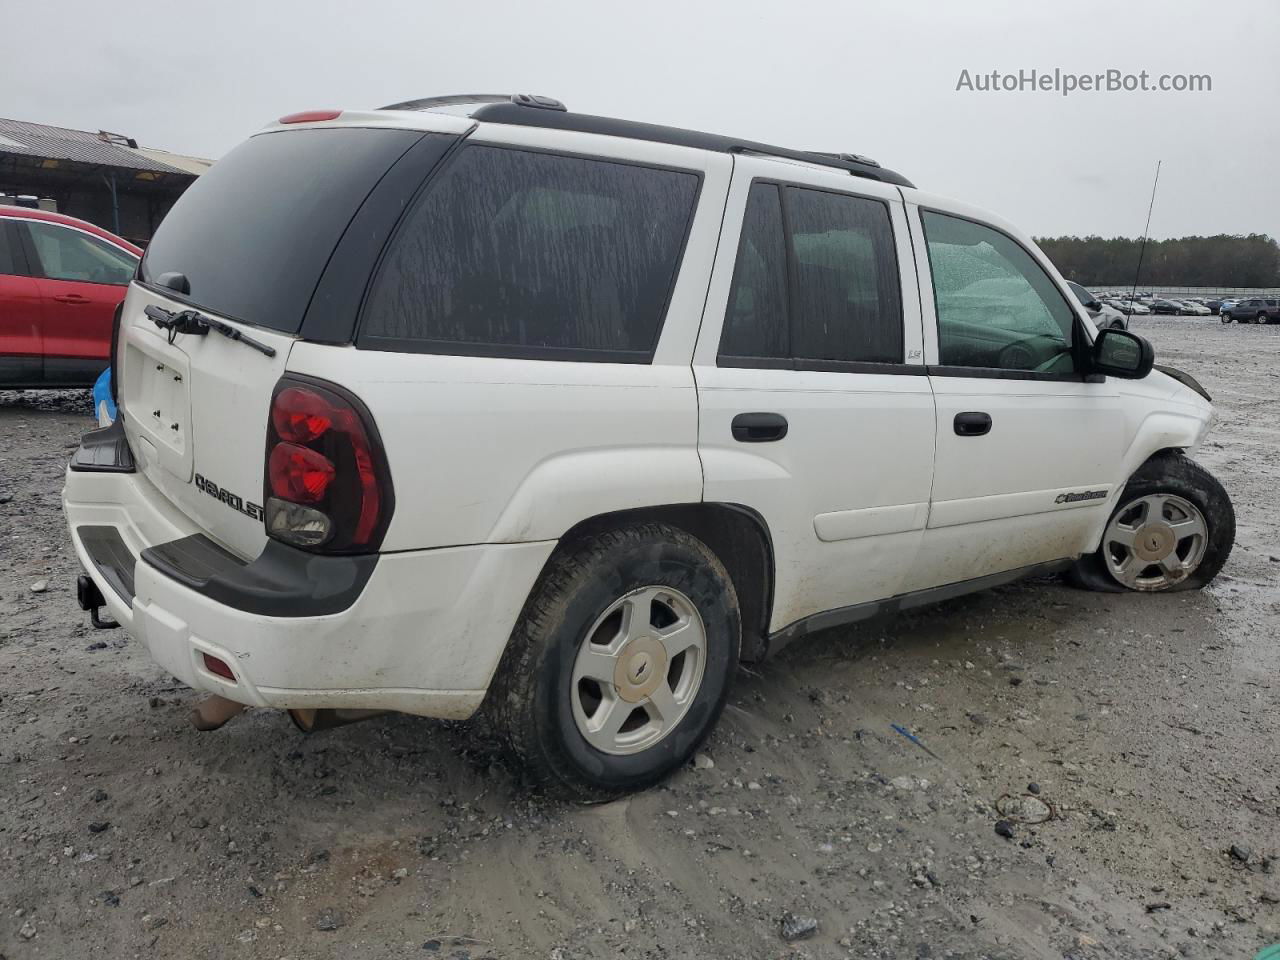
(873, 77)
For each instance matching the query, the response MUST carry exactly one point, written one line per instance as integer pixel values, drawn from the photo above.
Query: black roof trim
(502, 110)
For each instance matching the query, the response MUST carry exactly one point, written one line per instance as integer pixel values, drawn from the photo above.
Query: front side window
(815, 282)
(996, 307)
(67, 254)
(517, 253)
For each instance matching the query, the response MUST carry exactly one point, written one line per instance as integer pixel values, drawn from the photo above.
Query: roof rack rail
(515, 112)
(529, 110)
(452, 100)
(459, 99)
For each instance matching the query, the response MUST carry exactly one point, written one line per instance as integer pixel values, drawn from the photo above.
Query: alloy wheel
(638, 670)
(1154, 542)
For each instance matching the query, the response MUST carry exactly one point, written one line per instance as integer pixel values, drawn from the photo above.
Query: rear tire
(1157, 513)
(591, 727)
(1262, 318)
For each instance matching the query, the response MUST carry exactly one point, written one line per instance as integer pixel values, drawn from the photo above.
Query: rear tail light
(327, 486)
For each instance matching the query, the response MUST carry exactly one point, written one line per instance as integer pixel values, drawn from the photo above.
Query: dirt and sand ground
(1148, 723)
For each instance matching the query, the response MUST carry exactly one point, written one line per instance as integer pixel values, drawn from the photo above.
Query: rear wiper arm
(197, 324)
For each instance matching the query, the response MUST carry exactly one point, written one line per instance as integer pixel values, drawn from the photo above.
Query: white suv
(476, 401)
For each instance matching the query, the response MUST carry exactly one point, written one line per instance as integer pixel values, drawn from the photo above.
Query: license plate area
(157, 401)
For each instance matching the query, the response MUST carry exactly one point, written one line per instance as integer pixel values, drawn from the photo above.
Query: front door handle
(759, 427)
(972, 424)
(72, 298)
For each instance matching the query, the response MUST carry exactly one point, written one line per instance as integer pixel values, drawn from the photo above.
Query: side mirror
(1093, 305)
(1119, 353)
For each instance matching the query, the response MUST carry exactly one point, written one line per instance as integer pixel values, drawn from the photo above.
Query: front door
(814, 407)
(81, 279)
(1027, 445)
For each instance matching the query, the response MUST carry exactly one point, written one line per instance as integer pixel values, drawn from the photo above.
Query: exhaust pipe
(313, 721)
(213, 711)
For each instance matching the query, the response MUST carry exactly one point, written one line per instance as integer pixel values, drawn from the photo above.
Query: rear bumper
(422, 634)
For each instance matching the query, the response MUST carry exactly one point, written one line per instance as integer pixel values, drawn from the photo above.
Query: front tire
(621, 662)
(1173, 529)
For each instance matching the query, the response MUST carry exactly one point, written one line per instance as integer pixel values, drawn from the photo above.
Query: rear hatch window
(253, 235)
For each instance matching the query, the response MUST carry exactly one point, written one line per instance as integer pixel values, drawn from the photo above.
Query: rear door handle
(759, 427)
(72, 298)
(973, 424)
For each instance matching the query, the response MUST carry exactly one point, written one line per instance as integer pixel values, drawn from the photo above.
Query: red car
(60, 282)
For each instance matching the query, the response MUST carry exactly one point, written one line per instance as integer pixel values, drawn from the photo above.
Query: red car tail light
(327, 487)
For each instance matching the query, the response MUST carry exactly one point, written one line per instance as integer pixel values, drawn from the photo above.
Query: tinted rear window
(253, 234)
(523, 254)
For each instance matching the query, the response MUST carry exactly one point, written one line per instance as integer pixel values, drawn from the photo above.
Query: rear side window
(517, 253)
(816, 282)
(253, 235)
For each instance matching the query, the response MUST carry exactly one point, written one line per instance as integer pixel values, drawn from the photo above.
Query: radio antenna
(1145, 233)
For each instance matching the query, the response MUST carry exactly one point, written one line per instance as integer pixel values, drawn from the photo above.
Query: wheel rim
(638, 670)
(1156, 541)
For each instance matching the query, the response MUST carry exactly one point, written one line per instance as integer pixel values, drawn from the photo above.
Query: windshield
(253, 235)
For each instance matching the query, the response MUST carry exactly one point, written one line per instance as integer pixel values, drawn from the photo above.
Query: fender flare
(1160, 431)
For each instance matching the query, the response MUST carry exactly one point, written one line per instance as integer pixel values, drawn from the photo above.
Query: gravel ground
(1147, 725)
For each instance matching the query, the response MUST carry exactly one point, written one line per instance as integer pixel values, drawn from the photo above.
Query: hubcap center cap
(642, 665)
(1154, 541)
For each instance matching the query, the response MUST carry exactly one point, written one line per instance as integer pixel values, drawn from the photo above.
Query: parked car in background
(1167, 307)
(1214, 306)
(1253, 310)
(1104, 317)
(61, 280)
(1193, 308)
(1129, 307)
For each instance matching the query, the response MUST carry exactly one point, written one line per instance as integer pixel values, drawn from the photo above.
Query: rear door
(815, 410)
(20, 347)
(81, 279)
(1027, 447)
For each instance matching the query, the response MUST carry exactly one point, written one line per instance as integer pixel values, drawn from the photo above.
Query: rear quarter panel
(496, 450)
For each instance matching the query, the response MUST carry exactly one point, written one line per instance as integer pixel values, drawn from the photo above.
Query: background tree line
(1226, 261)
